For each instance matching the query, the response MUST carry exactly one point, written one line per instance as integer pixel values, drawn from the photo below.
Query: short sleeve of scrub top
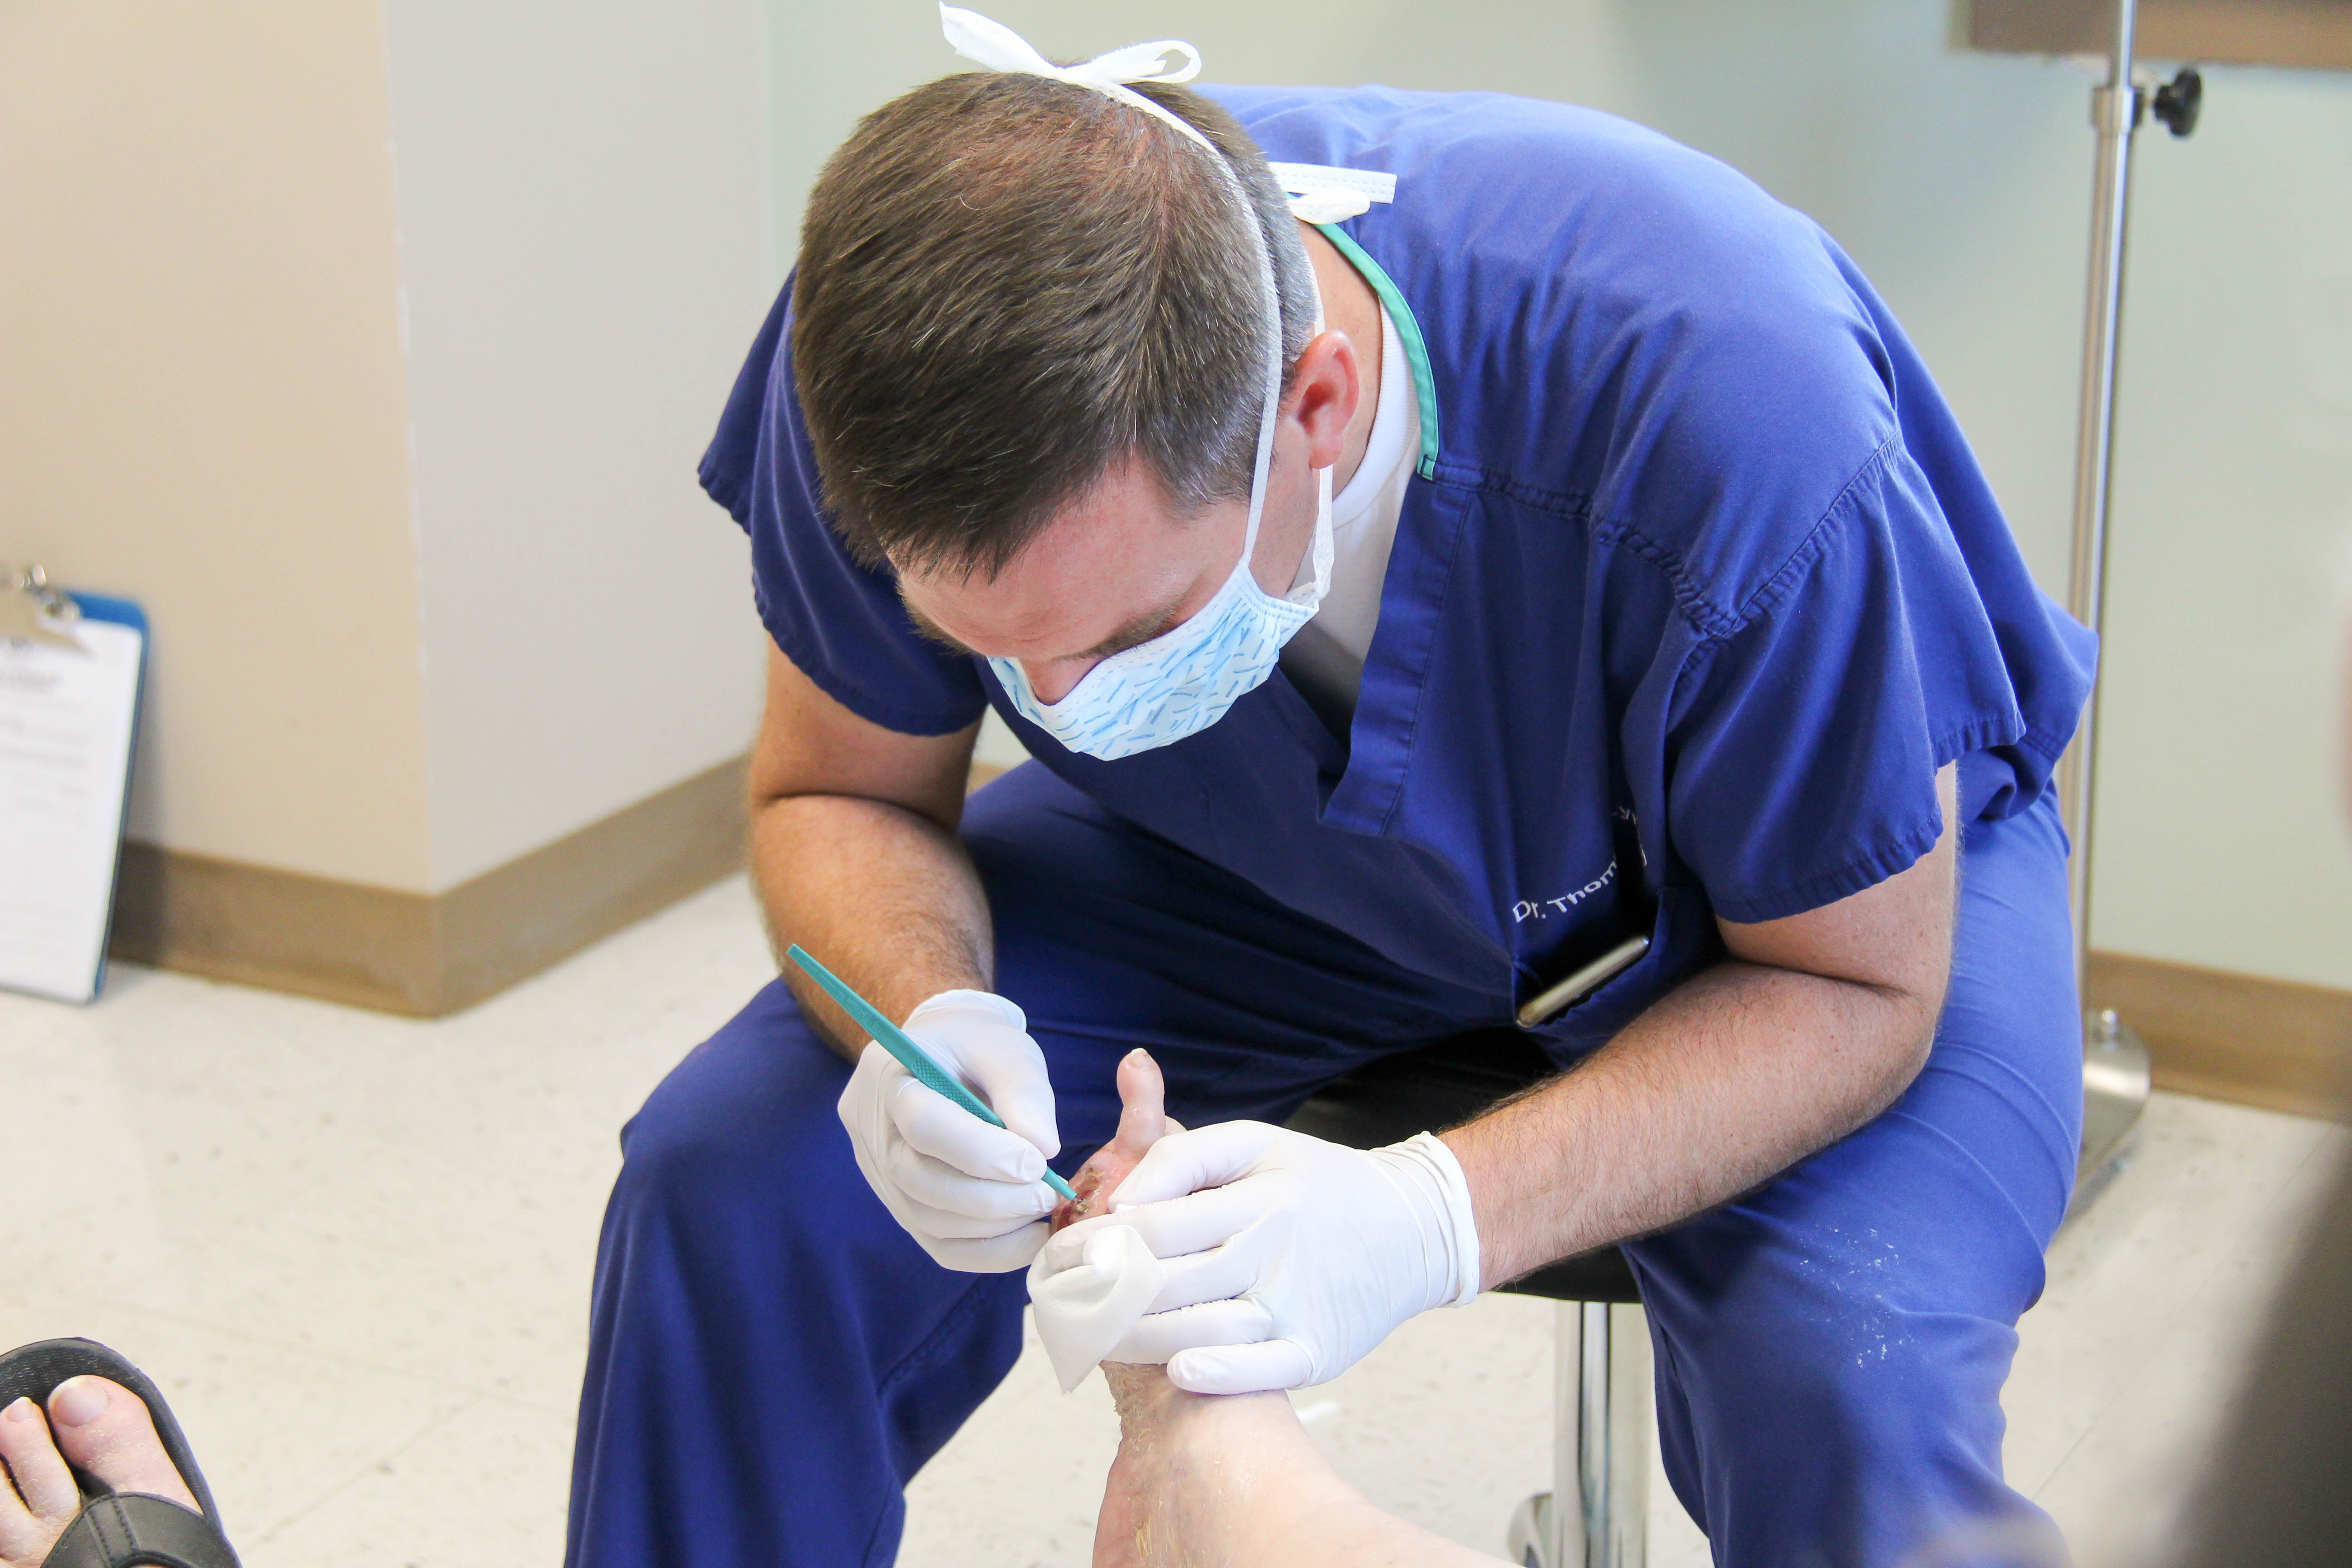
(841, 625)
(1804, 741)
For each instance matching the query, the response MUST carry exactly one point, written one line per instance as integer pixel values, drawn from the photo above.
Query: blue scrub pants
(771, 1359)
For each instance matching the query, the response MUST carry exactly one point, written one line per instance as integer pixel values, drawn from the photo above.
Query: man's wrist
(1428, 1164)
(1001, 1008)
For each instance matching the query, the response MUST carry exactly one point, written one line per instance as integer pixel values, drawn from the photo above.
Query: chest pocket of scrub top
(1584, 891)
(1682, 941)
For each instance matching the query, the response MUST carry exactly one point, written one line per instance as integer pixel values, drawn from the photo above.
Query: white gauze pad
(1087, 1309)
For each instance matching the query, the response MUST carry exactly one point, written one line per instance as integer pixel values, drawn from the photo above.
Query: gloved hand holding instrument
(966, 1177)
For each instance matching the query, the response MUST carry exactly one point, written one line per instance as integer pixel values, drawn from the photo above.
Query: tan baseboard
(2301, 33)
(428, 954)
(2241, 1038)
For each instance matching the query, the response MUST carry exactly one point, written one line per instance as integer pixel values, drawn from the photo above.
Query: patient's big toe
(103, 1428)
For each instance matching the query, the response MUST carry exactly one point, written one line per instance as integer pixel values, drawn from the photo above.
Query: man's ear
(1324, 391)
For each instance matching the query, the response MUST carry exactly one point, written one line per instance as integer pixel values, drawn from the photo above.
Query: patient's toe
(44, 1485)
(1143, 1106)
(103, 1428)
(1142, 1120)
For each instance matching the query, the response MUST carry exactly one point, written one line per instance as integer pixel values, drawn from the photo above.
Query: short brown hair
(1010, 284)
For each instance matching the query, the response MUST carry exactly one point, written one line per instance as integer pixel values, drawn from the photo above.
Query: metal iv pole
(2116, 1079)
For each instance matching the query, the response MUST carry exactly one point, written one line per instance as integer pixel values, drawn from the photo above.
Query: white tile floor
(355, 1252)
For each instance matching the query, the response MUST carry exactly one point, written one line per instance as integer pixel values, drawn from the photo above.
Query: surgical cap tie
(993, 44)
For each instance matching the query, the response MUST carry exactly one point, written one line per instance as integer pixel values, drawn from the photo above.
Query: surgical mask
(1186, 678)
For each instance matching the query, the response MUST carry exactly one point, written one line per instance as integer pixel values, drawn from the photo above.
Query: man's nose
(1053, 679)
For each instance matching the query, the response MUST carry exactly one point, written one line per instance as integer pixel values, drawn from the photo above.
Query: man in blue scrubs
(1610, 566)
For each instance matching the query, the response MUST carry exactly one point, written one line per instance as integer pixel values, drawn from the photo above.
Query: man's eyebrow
(1142, 629)
(929, 628)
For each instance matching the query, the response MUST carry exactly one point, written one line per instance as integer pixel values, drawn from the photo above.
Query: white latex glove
(1285, 1257)
(972, 1195)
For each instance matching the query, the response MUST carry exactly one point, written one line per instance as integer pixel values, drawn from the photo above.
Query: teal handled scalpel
(911, 1057)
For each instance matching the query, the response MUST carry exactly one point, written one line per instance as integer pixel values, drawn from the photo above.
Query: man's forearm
(885, 897)
(1728, 1079)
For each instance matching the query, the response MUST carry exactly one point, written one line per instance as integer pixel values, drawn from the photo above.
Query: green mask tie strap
(1416, 350)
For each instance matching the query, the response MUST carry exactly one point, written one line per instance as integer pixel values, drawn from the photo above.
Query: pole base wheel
(2116, 1080)
(1527, 1543)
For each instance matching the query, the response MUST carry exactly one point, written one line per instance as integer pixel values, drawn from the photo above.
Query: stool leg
(1572, 1395)
(1597, 1514)
(1546, 1529)
(1612, 1445)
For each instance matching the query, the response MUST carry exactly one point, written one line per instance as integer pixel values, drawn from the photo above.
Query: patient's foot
(1142, 1120)
(1203, 1481)
(95, 1424)
(1233, 1481)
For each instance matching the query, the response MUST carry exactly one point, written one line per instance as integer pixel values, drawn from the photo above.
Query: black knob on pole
(2178, 100)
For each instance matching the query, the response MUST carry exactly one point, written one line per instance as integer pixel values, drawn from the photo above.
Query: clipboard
(71, 670)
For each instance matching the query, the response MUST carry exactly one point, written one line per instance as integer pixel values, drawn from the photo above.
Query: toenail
(79, 1401)
(23, 1410)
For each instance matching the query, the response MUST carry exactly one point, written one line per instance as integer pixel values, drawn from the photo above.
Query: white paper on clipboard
(66, 720)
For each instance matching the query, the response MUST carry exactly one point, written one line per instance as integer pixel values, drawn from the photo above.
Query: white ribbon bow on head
(1317, 194)
(999, 49)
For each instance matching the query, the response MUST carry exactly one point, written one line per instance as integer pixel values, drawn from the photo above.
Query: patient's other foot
(95, 1424)
(1142, 1120)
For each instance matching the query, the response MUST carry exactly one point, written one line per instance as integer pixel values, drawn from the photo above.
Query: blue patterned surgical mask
(1184, 679)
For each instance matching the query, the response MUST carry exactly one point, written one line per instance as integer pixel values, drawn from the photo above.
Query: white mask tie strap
(991, 43)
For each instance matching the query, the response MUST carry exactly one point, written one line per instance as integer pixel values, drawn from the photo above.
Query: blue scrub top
(1698, 590)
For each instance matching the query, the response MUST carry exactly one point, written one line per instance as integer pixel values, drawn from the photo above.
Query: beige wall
(203, 403)
(2224, 840)
(1961, 184)
(584, 240)
(372, 347)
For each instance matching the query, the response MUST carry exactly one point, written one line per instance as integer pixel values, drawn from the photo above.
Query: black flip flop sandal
(118, 1529)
